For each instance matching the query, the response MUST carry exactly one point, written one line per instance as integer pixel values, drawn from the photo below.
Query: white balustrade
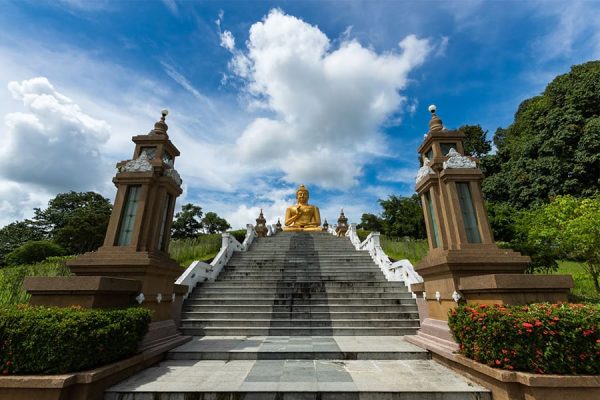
(199, 271)
(401, 270)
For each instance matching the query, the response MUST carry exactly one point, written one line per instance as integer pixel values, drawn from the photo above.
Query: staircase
(300, 285)
(299, 315)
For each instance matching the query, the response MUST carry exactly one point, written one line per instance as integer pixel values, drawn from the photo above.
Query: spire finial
(435, 124)
(161, 126)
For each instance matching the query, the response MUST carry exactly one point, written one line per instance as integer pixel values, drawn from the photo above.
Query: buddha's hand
(299, 210)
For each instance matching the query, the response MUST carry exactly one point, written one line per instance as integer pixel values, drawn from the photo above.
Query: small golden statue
(302, 216)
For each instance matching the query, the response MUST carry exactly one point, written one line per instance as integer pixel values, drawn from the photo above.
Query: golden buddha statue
(302, 216)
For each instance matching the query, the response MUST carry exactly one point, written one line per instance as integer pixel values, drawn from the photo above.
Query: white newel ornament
(173, 174)
(140, 164)
(457, 160)
(424, 170)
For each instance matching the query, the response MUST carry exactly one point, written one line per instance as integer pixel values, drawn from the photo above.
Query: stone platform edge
(512, 385)
(85, 385)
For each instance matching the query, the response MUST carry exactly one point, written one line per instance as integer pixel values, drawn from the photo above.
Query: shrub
(541, 338)
(239, 235)
(362, 234)
(54, 340)
(11, 278)
(34, 251)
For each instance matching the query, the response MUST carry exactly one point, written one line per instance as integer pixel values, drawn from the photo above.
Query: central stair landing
(298, 316)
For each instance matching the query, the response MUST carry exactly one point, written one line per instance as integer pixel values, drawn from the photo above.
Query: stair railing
(199, 271)
(401, 270)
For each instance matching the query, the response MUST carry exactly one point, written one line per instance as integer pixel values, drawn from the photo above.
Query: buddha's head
(302, 194)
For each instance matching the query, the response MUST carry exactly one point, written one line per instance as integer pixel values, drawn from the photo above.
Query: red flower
(538, 323)
(588, 332)
(498, 362)
(527, 325)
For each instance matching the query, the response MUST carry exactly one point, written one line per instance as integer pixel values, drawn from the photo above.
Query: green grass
(583, 291)
(11, 278)
(203, 248)
(399, 249)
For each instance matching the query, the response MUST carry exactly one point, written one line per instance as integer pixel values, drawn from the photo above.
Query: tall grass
(583, 290)
(11, 278)
(203, 248)
(399, 248)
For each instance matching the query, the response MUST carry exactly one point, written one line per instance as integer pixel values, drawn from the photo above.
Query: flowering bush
(541, 338)
(52, 340)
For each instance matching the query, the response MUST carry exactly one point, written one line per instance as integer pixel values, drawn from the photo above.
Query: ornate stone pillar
(463, 262)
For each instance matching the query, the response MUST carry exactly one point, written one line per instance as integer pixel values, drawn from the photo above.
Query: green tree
(403, 216)
(76, 221)
(17, 234)
(566, 227)
(371, 222)
(553, 146)
(502, 220)
(212, 223)
(475, 142)
(188, 222)
(34, 251)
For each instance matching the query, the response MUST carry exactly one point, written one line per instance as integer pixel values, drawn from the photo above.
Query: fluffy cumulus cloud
(325, 106)
(53, 146)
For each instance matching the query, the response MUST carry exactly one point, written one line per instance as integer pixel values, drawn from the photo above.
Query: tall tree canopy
(76, 221)
(212, 223)
(371, 222)
(188, 222)
(403, 216)
(475, 142)
(553, 145)
(16, 234)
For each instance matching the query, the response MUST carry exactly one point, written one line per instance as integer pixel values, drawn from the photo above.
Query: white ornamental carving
(457, 160)
(140, 164)
(456, 296)
(424, 170)
(140, 298)
(173, 174)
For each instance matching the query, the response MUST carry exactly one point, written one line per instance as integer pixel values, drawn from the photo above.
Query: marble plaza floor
(388, 365)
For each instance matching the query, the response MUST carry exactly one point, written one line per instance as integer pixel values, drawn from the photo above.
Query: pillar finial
(435, 124)
(160, 127)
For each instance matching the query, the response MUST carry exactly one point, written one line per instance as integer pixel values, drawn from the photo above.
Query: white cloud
(171, 5)
(327, 104)
(402, 175)
(53, 141)
(227, 40)
(576, 26)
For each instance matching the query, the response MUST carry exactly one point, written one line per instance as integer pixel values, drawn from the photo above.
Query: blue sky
(265, 95)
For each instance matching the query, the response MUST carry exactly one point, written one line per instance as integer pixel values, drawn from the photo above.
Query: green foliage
(370, 222)
(583, 290)
(40, 340)
(502, 220)
(566, 227)
(475, 142)
(202, 248)
(362, 234)
(399, 249)
(239, 235)
(187, 223)
(76, 221)
(35, 251)
(539, 338)
(403, 216)
(552, 147)
(212, 223)
(11, 278)
(17, 234)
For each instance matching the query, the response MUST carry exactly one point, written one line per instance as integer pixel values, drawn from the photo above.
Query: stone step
(298, 347)
(298, 331)
(307, 279)
(349, 290)
(299, 323)
(201, 294)
(295, 379)
(298, 308)
(275, 283)
(298, 315)
(298, 302)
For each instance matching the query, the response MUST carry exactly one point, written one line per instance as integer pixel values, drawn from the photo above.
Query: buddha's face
(302, 197)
